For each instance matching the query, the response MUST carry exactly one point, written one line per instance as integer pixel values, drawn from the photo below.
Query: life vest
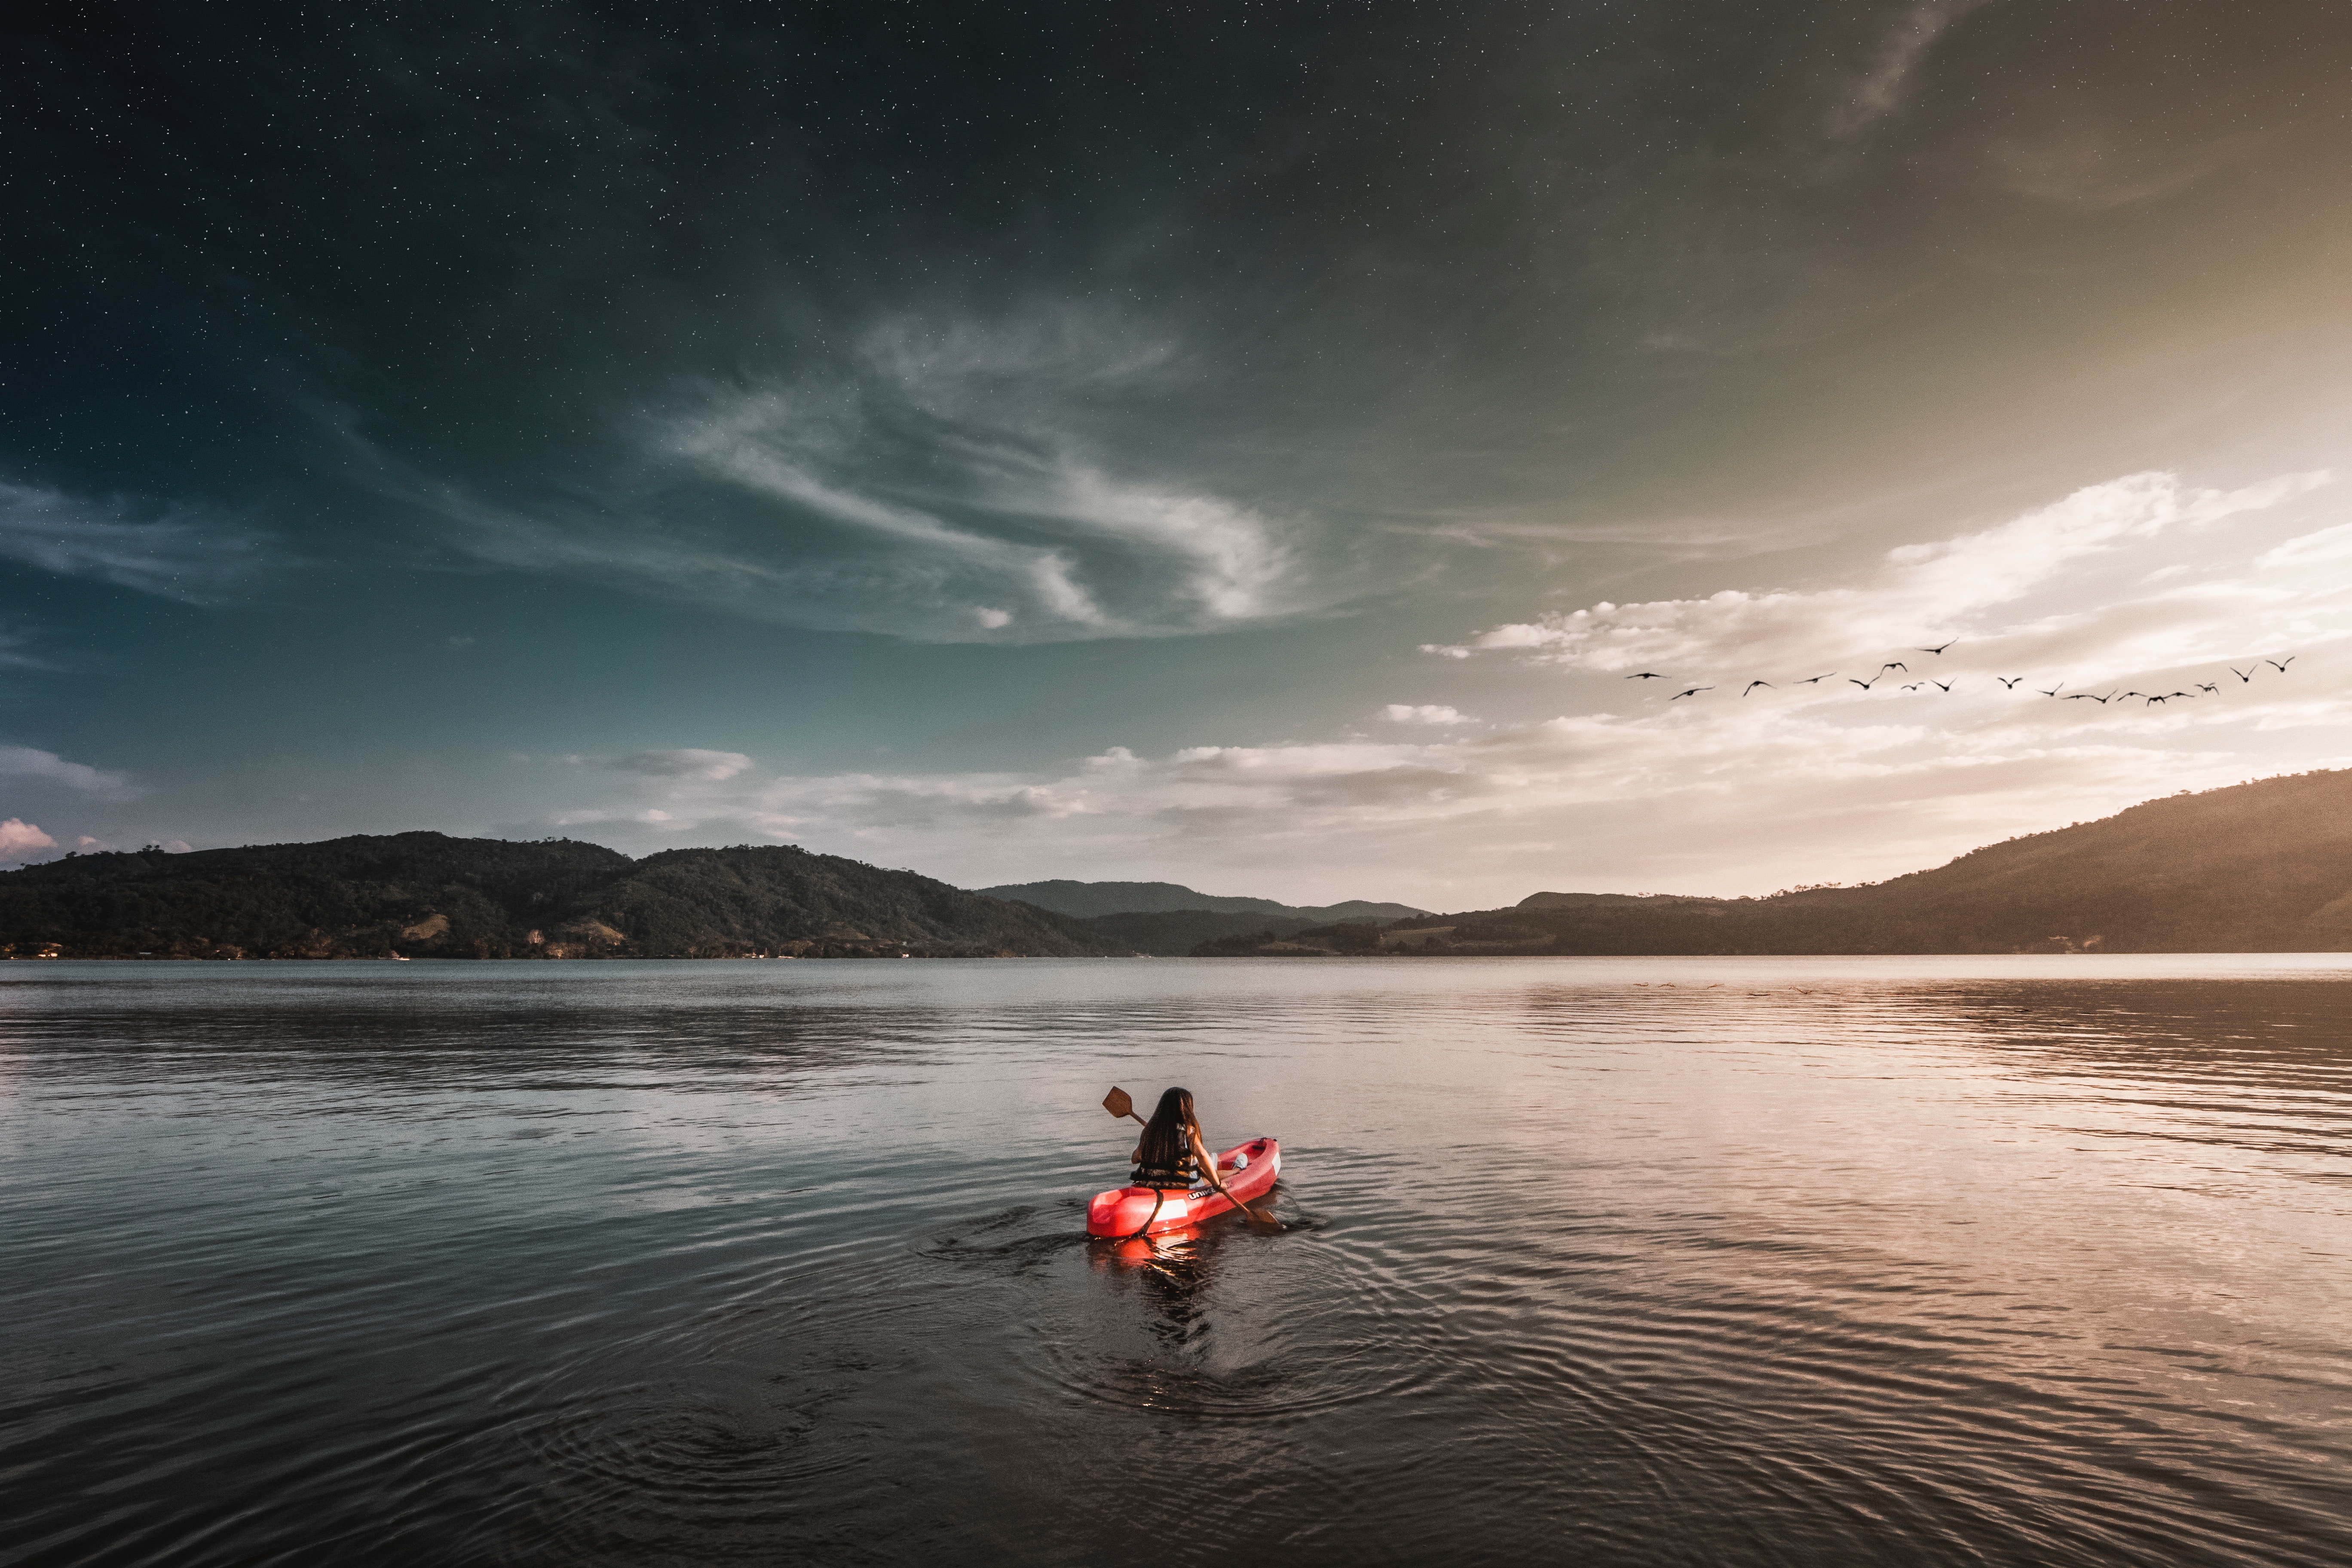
(1184, 1174)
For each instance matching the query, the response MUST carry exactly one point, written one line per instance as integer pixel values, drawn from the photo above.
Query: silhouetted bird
(2190, 695)
(2282, 668)
(1896, 665)
(2009, 682)
(1866, 685)
(2053, 690)
(1815, 680)
(1941, 685)
(2134, 693)
(1694, 692)
(2207, 688)
(1646, 675)
(2082, 697)
(1915, 686)
(2244, 675)
(1938, 649)
(2154, 701)
(1754, 684)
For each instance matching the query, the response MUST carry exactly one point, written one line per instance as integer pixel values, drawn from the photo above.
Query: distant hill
(1086, 901)
(2256, 867)
(1172, 934)
(427, 895)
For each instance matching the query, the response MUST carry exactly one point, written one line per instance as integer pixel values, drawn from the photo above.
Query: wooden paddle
(1117, 1103)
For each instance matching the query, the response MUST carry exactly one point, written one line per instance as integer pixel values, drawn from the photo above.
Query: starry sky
(1254, 446)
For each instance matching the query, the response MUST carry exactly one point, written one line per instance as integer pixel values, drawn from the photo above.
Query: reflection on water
(1645, 1261)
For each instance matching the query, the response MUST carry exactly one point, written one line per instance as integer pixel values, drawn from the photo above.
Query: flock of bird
(2008, 682)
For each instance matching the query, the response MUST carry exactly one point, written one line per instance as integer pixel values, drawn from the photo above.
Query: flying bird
(1815, 680)
(2209, 689)
(2190, 695)
(2009, 682)
(1941, 685)
(1754, 684)
(1898, 664)
(1694, 692)
(1866, 685)
(2134, 693)
(2052, 691)
(1646, 675)
(2154, 701)
(2282, 668)
(1915, 686)
(2244, 675)
(1938, 649)
(2083, 697)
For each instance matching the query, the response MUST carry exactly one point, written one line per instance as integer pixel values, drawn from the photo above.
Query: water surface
(2035, 1260)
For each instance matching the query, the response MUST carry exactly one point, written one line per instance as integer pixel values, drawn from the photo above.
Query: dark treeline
(2256, 867)
(426, 895)
(2264, 867)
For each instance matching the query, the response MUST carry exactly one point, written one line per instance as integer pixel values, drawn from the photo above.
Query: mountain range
(2256, 867)
(1085, 900)
(2262, 867)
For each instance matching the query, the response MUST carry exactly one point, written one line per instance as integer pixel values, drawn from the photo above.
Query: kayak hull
(1145, 1211)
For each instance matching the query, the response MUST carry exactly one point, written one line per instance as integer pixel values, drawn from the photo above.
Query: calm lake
(1973, 1260)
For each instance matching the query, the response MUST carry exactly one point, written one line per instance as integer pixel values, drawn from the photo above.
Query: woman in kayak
(1172, 1156)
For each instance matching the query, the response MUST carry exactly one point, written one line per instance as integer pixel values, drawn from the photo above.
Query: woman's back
(1163, 1156)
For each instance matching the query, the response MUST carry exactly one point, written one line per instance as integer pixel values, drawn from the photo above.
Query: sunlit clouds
(1640, 792)
(2001, 593)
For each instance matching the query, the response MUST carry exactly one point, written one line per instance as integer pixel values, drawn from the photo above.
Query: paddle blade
(1117, 1103)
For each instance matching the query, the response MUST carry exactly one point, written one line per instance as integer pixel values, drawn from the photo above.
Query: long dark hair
(1168, 1135)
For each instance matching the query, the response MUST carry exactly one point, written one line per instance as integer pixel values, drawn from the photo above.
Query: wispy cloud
(2311, 548)
(173, 551)
(1880, 89)
(937, 482)
(684, 763)
(14, 646)
(26, 762)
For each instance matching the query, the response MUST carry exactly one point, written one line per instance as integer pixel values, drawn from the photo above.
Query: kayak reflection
(1173, 1270)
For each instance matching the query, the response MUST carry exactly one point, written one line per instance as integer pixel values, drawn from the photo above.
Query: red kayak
(1247, 1169)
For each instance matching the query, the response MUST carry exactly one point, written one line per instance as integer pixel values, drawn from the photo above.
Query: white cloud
(20, 841)
(1233, 566)
(25, 761)
(683, 762)
(1424, 713)
(2311, 548)
(179, 553)
(1980, 588)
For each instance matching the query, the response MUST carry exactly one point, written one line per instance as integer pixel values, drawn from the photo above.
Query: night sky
(1250, 446)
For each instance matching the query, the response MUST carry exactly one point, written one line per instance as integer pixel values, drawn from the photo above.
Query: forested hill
(2256, 867)
(427, 895)
(1089, 901)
